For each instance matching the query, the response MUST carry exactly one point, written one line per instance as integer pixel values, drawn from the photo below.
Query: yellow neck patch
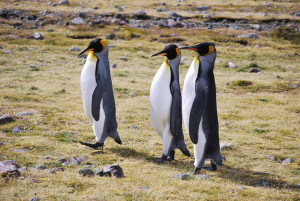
(92, 55)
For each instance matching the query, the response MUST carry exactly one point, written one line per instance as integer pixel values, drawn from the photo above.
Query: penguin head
(170, 51)
(97, 45)
(203, 49)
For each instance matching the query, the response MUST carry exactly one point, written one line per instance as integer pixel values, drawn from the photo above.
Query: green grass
(258, 112)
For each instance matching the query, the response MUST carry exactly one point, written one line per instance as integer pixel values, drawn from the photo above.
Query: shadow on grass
(253, 178)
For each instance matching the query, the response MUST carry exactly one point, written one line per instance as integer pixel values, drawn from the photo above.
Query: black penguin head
(170, 51)
(97, 45)
(203, 49)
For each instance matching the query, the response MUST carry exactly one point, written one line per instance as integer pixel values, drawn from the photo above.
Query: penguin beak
(162, 53)
(189, 48)
(85, 50)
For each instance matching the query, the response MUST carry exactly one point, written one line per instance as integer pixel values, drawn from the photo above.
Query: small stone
(203, 8)
(24, 113)
(23, 150)
(295, 13)
(140, 15)
(35, 199)
(75, 161)
(202, 176)
(96, 8)
(294, 86)
(123, 58)
(1, 144)
(50, 30)
(225, 145)
(297, 186)
(77, 21)
(110, 36)
(23, 168)
(132, 94)
(287, 161)
(231, 65)
(111, 170)
(265, 184)
(239, 188)
(63, 2)
(74, 48)
(66, 163)
(9, 168)
(160, 4)
(257, 46)
(144, 187)
(272, 158)
(86, 172)
(16, 129)
(37, 36)
(250, 35)
(41, 167)
(134, 127)
(256, 26)
(113, 66)
(182, 176)
(7, 51)
(173, 14)
(207, 16)
(6, 119)
(83, 61)
(254, 70)
(56, 169)
(172, 23)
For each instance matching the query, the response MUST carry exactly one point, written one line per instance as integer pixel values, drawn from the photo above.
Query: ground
(260, 119)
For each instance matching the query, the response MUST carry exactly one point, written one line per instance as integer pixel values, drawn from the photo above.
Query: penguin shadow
(253, 178)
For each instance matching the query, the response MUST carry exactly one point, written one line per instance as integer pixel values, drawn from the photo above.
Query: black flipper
(96, 101)
(95, 146)
(198, 108)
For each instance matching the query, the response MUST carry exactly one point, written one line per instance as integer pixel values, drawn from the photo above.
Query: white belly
(161, 99)
(88, 85)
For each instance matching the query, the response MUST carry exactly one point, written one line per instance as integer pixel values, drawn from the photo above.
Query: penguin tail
(116, 137)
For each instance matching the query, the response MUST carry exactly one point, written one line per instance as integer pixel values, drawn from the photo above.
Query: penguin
(165, 104)
(97, 93)
(199, 107)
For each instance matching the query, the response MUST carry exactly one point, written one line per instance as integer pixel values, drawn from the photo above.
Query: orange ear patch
(211, 49)
(177, 52)
(103, 43)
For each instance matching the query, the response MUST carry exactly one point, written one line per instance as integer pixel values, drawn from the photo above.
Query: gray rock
(86, 172)
(295, 13)
(265, 184)
(203, 8)
(77, 21)
(172, 23)
(75, 161)
(56, 169)
(144, 187)
(239, 188)
(134, 127)
(207, 16)
(225, 145)
(74, 49)
(111, 170)
(6, 119)
(132, 94)
(141, 15)
(257, 46)
(110, 36)
(23, 168)
(160, 4)
(35, 199)
(202, 176)
(173, 14)
(50, 30)
(1, 144)
(66, 163)
(256, 26)
(272, 158)
(16, 129)
(23, 150)
(254, 70)
(249, 35)
(63, 2)
(113, 66)
(294, 86)
(231, 65)
(182, 176)
(7, 51)
(123, 58)
(25, 113)
(41, 167)
(287, 161)
(37, 36)
(297, 186)
(9, 168)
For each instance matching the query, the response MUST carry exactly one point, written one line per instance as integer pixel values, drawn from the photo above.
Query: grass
(261, 119)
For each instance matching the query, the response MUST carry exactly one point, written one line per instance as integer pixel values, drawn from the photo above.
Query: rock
(25, 113)
(172, 23)
(257, 46)
(256, 26)
(111, 170)
(37, 36)
(63, 2)
(50, 30)
(7, 51)
(173, 14)
(160, 4)
(132, 94)
(207, 16)
(287, 161)
(134, 127)
(41, 167)
(239, 188)
(56, 169)
(83, 61)
(297, 186)
(113, 66)
(86, 172)
(74, 49)
(77, 21)
(202, 176)
(182, 176)
(231, 65)
(16, 129)
(66, 163)
(6, 119)
(110, 36)
(1, 144)
(23, 168)
(9, 168)
(249, 35)
(144, 187)
(225, 145)
(203, 8)
(75, 161)
(272, 158)
(35, 199)
(265, 184)
(254, 70)
(120, 16)
(294, 86)
(23, 150)
(123, 58)
(140, 15)
(295, 13)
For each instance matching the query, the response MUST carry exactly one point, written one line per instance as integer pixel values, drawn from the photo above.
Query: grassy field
(42, 77)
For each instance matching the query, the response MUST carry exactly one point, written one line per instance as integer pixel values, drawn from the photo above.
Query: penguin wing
(197, 111)
(96, 100)
(175, 114)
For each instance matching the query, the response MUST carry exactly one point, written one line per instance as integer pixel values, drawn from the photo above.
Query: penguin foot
(186, 152)
(118, 141)
(213, 167)
(196, 170)
(161, 159)
(95, 146)
(171, 156)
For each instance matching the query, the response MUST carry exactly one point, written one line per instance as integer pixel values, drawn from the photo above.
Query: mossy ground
(261, 119)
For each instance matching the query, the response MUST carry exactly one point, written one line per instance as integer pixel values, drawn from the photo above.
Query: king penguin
(200, 107)
(165, 104)
(97, 93)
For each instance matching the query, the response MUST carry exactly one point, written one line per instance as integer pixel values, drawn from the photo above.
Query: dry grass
(260, 120)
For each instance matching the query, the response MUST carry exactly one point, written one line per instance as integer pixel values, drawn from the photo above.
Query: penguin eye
(211, 49)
